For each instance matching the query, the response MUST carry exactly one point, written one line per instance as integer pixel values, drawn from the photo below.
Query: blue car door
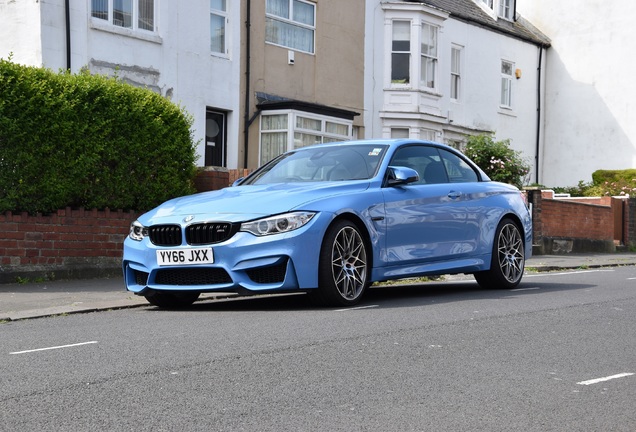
(435, 218)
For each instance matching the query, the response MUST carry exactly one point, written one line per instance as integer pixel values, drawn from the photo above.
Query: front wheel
(343, 267)
(508, 258)
(172, 299)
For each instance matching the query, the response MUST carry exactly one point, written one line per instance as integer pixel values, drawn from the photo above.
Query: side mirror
(398, 175)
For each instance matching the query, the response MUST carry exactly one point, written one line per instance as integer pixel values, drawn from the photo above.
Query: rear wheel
(172, 299)
(508, 258)
(343, 268)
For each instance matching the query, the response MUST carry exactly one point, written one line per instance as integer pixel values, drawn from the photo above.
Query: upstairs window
(506, 9)
(131, 14)
(428, 54)
(507, 69)
(291, 23)
(488, 3)
(218, 23)
(456, 58)
(401, 52)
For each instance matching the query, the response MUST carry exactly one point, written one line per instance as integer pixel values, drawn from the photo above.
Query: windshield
(320, 164)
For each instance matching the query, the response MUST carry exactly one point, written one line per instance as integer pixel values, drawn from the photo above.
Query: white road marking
(55, 347)
(356, 308)
(544, 274)
(598, 380)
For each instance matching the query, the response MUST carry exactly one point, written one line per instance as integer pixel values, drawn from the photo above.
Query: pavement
(21, 301)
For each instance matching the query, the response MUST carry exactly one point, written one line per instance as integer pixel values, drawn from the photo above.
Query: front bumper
(244, 263)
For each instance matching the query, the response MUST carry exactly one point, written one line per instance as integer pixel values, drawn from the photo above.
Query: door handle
(454, 194)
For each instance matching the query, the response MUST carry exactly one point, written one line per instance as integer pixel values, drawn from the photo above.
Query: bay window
(286, 130)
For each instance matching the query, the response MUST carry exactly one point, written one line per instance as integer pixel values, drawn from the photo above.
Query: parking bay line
(608, 378)
(54, 347)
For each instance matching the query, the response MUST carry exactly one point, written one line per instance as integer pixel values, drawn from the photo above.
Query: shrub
(88, 141)
(497, 159)
(605, 183)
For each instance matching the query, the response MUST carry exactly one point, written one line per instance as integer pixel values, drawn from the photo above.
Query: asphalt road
(556, 354)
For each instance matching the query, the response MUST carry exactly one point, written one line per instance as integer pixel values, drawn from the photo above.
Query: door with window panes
(215, 143)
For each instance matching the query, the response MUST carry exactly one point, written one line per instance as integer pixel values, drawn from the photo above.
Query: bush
(605, 183)
(497, 159)
(88, 141)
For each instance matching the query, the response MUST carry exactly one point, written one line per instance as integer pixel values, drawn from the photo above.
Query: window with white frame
(428, 134)
(507, 69)
(131, 14)
(428, 54)
(218, 24)
(282, 131)
(291, 23)
(401, 52)
(488, 3)
(456, 62)
(506, 9)
(399, 133)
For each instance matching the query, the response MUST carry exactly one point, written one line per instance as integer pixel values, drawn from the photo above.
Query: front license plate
(169, 257)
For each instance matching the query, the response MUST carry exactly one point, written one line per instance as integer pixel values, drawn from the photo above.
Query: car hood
(241, 203)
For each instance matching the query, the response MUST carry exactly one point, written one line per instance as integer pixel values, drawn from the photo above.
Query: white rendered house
(444, 69)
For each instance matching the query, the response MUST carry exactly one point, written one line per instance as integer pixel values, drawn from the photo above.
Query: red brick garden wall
(579, 224)
(74, 243)
(68, 243)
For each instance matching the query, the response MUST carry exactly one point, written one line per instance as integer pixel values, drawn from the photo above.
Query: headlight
(137, 231)
(277, 224)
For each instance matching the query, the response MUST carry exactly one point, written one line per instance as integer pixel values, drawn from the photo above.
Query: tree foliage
(88, 141)
(496, 158)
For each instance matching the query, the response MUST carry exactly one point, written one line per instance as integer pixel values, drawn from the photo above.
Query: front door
(215, 144)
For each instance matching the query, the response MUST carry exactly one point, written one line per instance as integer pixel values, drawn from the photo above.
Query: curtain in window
(337, 129)
(289, 35)
(122, 13)
(99, 9)
(307, 123)
(217, 33)
(278, 7)
(272, 145)
(146, 15)
(305, 139)
(303, 13)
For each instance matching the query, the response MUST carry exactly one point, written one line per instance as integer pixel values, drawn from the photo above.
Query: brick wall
(69, 243)
(214, 178)
(75, 243)
(566, 225)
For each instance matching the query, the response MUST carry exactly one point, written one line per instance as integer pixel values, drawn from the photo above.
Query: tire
(343, 269)
(172, 299)
(508, 258)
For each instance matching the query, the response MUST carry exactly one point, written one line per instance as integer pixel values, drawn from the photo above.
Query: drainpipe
(246, 116)
(536, 157)
(67, 14)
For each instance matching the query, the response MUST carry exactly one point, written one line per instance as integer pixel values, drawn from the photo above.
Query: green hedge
(88, 141)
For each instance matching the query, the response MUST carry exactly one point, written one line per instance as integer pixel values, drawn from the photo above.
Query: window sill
(137, 34)
(506, 111)
(409, 88)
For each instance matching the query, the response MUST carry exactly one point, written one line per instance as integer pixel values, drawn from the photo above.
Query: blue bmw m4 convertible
(329, 220)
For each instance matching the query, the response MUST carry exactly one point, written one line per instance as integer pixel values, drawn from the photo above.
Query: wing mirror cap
(398, 175)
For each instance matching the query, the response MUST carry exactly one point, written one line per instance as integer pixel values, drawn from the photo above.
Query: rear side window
(457, 169)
